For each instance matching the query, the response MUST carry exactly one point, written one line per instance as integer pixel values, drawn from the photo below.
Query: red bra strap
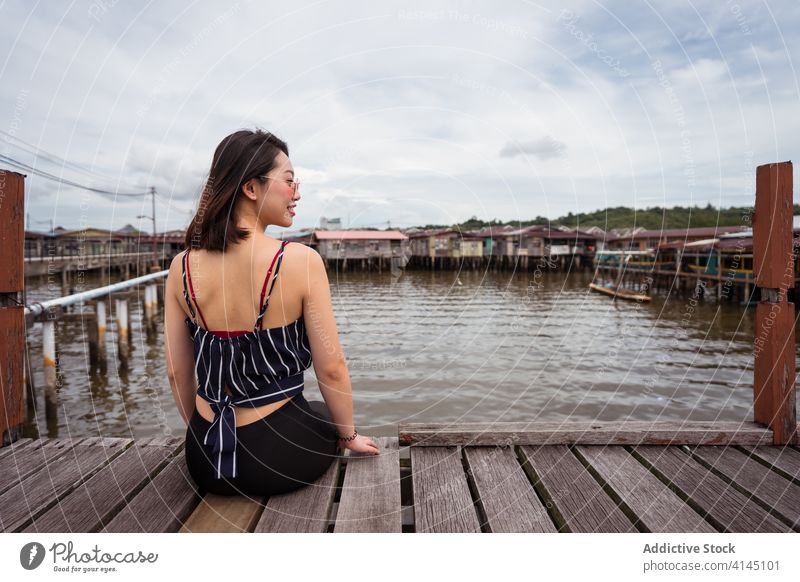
(263, 304)
(191, 289)
(269, 272)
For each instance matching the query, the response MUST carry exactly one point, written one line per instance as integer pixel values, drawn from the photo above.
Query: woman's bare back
(227, 288)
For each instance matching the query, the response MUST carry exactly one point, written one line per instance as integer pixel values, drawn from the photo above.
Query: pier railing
(48, 312)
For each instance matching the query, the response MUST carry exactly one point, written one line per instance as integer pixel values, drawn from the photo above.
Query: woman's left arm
(178, 344)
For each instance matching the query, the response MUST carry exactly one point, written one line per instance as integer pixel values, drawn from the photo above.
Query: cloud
(544, 148)
(412, 115)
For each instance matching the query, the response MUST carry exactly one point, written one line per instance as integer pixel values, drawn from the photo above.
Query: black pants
(287, 449)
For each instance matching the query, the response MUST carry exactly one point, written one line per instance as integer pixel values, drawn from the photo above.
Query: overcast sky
(408, 113)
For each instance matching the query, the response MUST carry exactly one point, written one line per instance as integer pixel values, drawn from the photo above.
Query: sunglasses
(293, 184)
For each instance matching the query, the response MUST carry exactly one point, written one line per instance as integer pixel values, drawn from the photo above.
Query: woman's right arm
(330, 364)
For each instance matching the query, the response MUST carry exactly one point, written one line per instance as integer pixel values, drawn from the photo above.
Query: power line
(50, 157)
(42, 174)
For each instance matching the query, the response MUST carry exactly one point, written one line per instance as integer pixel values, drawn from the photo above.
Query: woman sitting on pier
(250, 429)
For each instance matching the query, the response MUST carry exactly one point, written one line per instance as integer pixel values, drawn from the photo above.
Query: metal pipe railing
(38, 308)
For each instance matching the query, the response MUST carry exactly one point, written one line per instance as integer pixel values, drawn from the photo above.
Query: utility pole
(153, 218)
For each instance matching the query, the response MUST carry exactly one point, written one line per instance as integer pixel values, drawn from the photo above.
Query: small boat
(619, 293)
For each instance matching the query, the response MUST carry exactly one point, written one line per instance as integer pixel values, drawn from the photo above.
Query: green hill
(653, 218)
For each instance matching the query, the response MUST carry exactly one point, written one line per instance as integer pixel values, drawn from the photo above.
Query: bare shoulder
(175, 269)
(306, 267)
(176, 261)
(176, 265)
(302, 254)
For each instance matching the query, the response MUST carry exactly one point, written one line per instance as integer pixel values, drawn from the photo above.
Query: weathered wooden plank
(657, 508)
(576, 498)
(306, 510)
(175, 442)
(162, 506)
(785, 460)
(508, 499)
(100, 497)
(41, 490)
(16, 467)
(716, 500)
(442, 501)
(587, 433)
(773, 490)
(370, 500)
(224, 514)
(14, 447)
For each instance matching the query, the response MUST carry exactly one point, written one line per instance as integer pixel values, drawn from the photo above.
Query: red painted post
(773, 265)
(12, 318)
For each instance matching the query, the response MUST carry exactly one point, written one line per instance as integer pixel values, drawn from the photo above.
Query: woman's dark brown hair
(240, 157)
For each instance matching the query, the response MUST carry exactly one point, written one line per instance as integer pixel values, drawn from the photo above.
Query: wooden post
(122, 330)
(146, 307)
(151, 301)
(30, 385)
(773, 265)
(92, 339)
(50, 371)
(12, 311)
(64, 281)
(100, 310)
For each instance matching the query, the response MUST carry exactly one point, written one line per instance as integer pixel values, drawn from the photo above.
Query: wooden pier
(480, 477)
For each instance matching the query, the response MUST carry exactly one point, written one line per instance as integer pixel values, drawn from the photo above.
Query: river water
(445, 347)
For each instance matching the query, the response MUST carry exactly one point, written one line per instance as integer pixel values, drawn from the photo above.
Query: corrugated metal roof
(704, 231)
(359, 235)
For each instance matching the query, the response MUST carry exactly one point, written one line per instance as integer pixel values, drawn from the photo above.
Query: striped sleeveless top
(258, 367)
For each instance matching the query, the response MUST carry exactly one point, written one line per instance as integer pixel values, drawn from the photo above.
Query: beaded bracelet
(351, 437)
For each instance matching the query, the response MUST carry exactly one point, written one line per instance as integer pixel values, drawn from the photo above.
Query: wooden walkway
(500, 477)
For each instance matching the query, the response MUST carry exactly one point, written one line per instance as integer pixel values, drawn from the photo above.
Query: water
(446, 346)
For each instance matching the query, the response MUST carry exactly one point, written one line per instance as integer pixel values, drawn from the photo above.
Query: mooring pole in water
(150, 306)
(122, 330)
(12, 314)
(102, 354)
(50, 368)
(146, 307)
(773, 265)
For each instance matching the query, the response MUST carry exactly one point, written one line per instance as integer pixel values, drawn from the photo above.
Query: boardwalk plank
(717, 500)
(658, 508)
(785, 460)
(41, 490)
(305, 510)
(586, 433)
(16, 467)
(773, 490)
(84, 509)
(76, 485)
(576, 497)
(14, 447)
(442, 501)
(162, 506)
(370, 500)
(509, 501)
(225, 514)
